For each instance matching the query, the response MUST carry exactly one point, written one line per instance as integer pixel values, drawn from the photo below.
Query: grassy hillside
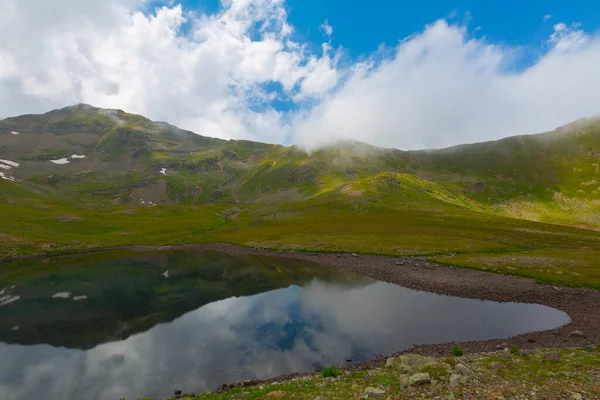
(143, 182)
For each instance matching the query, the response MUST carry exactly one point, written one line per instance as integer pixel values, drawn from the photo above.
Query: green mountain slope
(129, 159)
(149, 183)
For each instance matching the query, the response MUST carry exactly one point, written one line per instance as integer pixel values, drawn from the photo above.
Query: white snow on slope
(11, 163)
(62, 295)
(7, 167)
(60, 161)
(8, 299)
(76, 156)
(163, 171)
(8, 178)
(15, 133)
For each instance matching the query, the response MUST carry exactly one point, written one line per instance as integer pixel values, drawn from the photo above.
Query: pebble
(455, 379)
(577, 334)
(374, 392)
(277, 393)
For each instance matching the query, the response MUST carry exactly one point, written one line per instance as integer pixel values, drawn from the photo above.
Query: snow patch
(15, 328)
(77, 298)
(76, 156)
(166, 274)
(8, 299)
(8, 178)
(11, 163)
(163, 171)
(2, 291)
(60, 161)
(7, 167)
(61, 295)
(15, 133)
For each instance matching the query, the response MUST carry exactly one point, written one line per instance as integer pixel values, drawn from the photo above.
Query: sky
(395, 74)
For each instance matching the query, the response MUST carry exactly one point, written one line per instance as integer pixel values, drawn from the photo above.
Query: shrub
(449, 360)
(457, 351)
(435, 370)
(514, 349)
(331, 372)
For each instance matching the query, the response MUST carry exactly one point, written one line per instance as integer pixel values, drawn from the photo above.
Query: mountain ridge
(109, 155)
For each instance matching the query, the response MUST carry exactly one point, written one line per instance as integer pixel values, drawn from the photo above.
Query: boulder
(374, 392)
(406, 369)
(415, 361)
(390, 362)
(404, 380)
(419, 379)
(577, 334)
(464, 370)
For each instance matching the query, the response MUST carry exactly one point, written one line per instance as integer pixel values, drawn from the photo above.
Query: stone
(348, 359)
(178, 392)
(406, 369)
(277, 393)
(456, 379)
(577, 334)
(420, 379)
(374, 392)
(464, 370)
(531, 340)
(390, 362)
(499, 347)
(415, 361)
(404, 381)
(576, 396)
(354, 255)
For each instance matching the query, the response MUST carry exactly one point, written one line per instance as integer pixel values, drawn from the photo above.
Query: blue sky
(360, 26)
(391, 73)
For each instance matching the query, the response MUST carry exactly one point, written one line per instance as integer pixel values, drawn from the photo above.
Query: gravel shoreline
(581, 304)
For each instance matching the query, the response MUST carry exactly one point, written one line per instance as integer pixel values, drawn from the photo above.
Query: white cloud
(438, 87)
(326, 28)
(210, 80)
(547, 17)
(442, 87)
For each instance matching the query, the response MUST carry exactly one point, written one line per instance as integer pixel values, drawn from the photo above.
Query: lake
(124, 324)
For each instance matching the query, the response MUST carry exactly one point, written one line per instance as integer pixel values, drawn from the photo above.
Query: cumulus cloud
(326, 28)
(223, 74)
(213, 79)
(442, 87)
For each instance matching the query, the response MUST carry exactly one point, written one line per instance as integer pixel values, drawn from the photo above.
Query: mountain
(109, 156)
(83, 177)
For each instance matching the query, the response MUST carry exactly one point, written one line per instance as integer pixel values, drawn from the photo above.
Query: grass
(550, 373)
(384, 215)
(331, 372)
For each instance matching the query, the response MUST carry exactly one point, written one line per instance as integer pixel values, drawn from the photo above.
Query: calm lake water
(112, 325)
